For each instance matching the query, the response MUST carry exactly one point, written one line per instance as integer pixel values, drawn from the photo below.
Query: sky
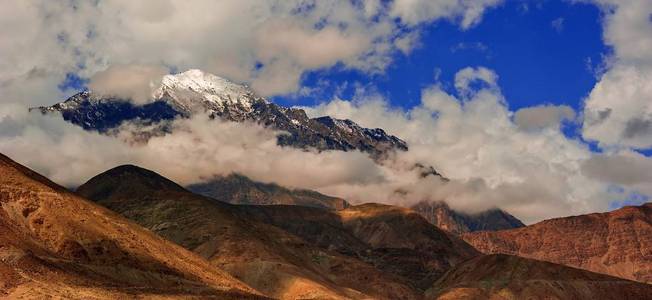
(537, 49)
(543, 108)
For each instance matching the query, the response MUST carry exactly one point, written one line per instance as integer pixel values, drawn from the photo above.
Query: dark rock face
(238, 189)
(186, 94)
(442, 216)
(109, 113)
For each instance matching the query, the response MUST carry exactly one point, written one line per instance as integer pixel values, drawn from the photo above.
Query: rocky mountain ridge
(239, 189)
(442, 216)
(186, 94)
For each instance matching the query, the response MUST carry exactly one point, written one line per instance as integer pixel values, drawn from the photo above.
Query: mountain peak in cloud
(194, 92)
(204, 86)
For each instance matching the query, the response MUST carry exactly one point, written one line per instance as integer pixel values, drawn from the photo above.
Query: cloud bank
(134, 82)
(267, 44)
(618, 111)
(474, 140)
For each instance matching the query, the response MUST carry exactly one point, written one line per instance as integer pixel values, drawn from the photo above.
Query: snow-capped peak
(195, 88)
(198, 81)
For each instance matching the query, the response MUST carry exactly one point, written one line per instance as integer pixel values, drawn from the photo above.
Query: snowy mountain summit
(195, 89)
(184, 94)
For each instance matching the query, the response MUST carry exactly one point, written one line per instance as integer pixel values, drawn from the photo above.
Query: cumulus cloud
(199, 149)
(627, 168)
(492, 161)
(618, 111)
(416, 11)
(624, 169)
(133, 82)
(267, 44)
(465, 77)
(543, 116)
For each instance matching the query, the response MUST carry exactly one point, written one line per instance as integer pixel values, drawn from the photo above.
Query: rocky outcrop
(442, 216)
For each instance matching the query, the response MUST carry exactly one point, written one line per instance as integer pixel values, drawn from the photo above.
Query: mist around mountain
(195, 92)
(442, 216)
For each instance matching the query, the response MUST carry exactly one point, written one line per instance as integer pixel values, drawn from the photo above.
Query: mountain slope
(442, 216)
(501, 276)
(193, 91)
(272, 260)
(238, 189)
(618, 243)
(393, 239)
(55, 244)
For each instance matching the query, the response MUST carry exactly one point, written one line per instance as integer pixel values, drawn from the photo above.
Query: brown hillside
(56, 244)
(506, 277)
(266, 257)
(618, 243)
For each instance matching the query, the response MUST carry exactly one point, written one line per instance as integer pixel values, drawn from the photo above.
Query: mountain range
(186, 94)
(58, 244)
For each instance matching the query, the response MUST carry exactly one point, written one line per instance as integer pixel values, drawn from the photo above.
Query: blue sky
(536, 61)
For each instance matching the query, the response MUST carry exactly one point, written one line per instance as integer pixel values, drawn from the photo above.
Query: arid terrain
(289, 251)
(500, 276)
(618, 243)
(54, 243)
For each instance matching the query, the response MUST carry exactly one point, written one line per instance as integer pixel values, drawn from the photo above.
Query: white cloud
(414, 12)
(134, 82)
(465, 77)
(543, 116)
(618, 111)
(268, 44)
(474, 141)
(626, 168)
